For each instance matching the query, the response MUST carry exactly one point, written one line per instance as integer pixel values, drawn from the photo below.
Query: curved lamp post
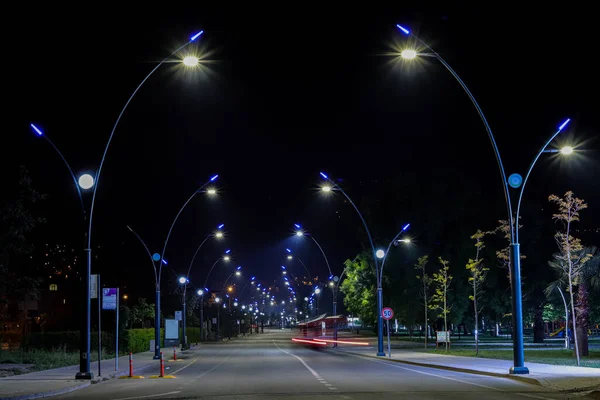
(515, 256)
(159, 258)
(299, 232)
(184, 280)
(225, 258)
(331, 185)
(86, 182)
(290, 256)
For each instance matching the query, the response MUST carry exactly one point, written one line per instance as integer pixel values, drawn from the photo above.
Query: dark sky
(285, 92)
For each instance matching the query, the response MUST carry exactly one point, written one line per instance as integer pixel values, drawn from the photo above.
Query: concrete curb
(532, 381)
(48, 393)
(84, 384)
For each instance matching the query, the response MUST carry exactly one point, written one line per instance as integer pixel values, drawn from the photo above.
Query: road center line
(451, 379)
(149, 396)
(185, 366)
(312, 371)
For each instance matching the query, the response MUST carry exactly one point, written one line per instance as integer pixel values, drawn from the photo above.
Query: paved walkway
(557, 377)
(62, 380)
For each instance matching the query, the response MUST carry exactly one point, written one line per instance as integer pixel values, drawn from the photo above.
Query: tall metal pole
(84, 358)
(99, 292)
(518, 349)
(566, 318)
(202, 335)
(380, 351)
(183, 317)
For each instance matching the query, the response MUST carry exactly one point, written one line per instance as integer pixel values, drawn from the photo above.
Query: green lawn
(555, 357)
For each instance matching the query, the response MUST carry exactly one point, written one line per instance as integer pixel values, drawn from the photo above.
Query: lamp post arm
(112, 133)
(194, 256)
(175, 220)
(380, 277)
(529, 173)
(147, 251)
(305, 268)
(209, 271)
(70, 171)
(362, 219)
(322, 252)
(488, 129)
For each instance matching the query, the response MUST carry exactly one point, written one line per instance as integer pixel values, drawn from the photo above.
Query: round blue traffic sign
(387, 313)
(156, 257)
(515, 181)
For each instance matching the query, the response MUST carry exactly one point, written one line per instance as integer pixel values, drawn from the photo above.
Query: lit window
(53, 287)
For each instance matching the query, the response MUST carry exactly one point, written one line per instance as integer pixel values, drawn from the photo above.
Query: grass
(45, 359)
(554, 357)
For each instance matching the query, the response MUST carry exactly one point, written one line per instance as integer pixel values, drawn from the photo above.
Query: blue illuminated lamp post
(290, 256)
(334, 186)
(91, 182)
(300, 233)
(514, 181)
(225, 258)
(185, 280)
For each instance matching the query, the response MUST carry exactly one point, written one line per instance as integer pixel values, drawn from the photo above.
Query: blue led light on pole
(85, 355)
(515, 256)
(327, 188)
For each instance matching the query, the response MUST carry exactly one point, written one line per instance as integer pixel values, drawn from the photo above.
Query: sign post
(95, 294)
(387, 313)
(110, 301)
(117, 334)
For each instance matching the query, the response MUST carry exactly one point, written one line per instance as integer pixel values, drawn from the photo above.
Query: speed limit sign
(387, 313)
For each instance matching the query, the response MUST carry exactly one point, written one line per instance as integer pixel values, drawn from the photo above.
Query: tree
(478, 273)
(17, 221)
(425, 282)
(589, 277)
(503, 255)
(439, 300)
(570, 258)
(142, 312)
(359, 288)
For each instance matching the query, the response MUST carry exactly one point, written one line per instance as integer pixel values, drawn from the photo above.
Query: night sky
(284, 93)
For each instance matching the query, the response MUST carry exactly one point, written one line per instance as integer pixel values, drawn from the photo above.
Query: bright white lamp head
(380, 253)
(567, 150)
(182, 280)
(408, 54)
(86, 181)
(190, 61)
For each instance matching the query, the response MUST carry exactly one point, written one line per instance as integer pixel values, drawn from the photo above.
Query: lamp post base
(381, 354)
(518, 371)
(84, 375)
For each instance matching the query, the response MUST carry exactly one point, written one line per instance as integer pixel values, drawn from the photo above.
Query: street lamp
(159, 258)
(190, 61)
(225, 258)
(515, 256)
(86, 183)
(329, 185)
(217, 234)
(299, 232)
(290, 256)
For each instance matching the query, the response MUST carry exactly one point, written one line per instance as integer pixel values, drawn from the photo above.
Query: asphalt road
(270, 366)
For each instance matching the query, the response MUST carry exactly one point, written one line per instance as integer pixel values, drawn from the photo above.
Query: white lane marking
(185, 366)
(312, 371)
(206, 372)
(332, 388)
(149, 396)
(452, 379)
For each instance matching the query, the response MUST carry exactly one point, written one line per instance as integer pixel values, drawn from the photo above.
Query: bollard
(174, 353)
(130, 365)
(162, 366)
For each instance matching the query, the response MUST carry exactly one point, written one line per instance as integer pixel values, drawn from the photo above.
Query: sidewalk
(57, 381)
(556, 377)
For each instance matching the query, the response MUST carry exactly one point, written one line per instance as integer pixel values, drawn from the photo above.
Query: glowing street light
(408, 54)
(380, 253)
(212, 191)
(86, 181)
(200, 292)
(191, 61)
(183, 280)
(326, 188)
(567, 150)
